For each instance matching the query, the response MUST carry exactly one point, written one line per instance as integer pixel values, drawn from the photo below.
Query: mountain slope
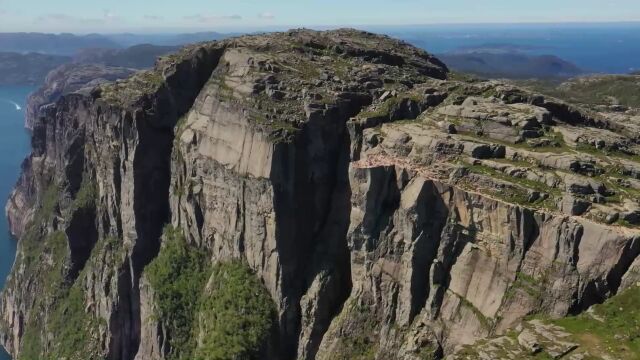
(312, 195)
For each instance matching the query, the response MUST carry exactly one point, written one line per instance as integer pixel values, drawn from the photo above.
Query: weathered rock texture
(389, 212)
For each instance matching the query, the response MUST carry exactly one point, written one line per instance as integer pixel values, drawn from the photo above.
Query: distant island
(508, 61)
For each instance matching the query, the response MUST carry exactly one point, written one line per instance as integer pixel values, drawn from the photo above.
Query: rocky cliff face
(385, 211)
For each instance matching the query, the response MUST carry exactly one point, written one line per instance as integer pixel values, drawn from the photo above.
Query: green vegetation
(518, 194)
(129, 90)
(386, 107)
(606, 153)
(485, 321)
(86, 195)
(75, 331)
(527, 283)
(178, 275)
(598, 90)
(613, 328)
(279, 130)
(236, 314)
(31, 347)
(233, 316)
(428, 353)
(70, 329)
(360, 345)
(61, 325)
(48, 204)
(307, 69)
(464, 77)
(556, 143)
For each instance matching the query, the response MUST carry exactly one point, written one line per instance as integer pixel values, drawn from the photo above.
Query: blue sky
(157, 15)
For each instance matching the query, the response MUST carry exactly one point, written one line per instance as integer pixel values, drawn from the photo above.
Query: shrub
(236, 314)
(178, 275)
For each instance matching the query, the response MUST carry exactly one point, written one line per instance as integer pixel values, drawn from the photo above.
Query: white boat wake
(18, 107)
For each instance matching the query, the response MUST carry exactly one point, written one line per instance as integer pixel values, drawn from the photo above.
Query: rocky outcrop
(388, 212)
(67, 79)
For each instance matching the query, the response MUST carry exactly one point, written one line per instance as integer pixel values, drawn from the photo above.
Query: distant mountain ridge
(27, 69)
(136, 57)
(32, 68)
(70, 44)
(508, 61)
(129, 39)
(56, 44)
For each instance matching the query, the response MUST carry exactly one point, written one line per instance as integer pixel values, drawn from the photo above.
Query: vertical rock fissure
(152, 171)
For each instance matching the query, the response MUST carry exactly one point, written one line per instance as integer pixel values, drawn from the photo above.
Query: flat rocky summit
(535, 151)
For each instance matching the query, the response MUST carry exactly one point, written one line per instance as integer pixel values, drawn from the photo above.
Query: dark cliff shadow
(312, 200)
(152, 172)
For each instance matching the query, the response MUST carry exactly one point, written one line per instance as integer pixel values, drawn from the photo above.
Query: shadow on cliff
(313, 208)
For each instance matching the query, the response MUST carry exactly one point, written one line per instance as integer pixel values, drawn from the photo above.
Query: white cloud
(153, 17)
(211, 18)
(108, 17)
(266, 15)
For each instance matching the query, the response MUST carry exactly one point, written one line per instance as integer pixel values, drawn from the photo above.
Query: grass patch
(126, 91)
(526, 283)
(519, 194)
(557, 143)
(487, 323)
(598, 90)
(618, 335)
(308, 70)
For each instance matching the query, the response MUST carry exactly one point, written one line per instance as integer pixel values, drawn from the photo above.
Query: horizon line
(272, 28)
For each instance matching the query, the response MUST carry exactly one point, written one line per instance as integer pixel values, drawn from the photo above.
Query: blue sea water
(14, 146)
(601, 48)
